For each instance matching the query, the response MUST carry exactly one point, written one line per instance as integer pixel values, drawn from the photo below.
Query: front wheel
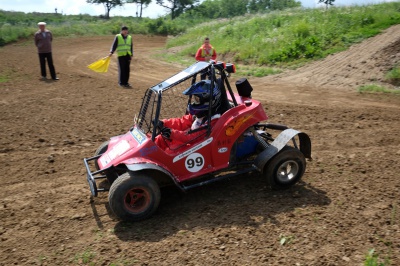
(134, 197)
(286, 168)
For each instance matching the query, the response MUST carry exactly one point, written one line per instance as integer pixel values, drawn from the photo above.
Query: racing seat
(225, 104)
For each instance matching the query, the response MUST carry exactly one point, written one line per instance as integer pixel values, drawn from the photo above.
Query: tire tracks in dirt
(342, 208)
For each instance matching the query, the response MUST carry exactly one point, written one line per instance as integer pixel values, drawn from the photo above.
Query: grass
(373, 88)
(289, 38)
(372, 259)
(393, 76)
(85, 257)
(285, 240)
(4, 78)
(171, 58)
(255, 71)
(42, 259)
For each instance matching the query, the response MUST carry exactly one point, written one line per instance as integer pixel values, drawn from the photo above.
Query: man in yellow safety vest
(124, 47)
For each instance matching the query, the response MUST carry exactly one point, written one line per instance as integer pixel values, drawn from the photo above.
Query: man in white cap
(43, 39)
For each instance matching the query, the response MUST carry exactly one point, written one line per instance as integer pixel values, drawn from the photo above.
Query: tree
(177, 6)
(108, 4)
(327, 2)
(265, 5)
(207, 9)
(233, 8)
(141, 3)
(282, 4)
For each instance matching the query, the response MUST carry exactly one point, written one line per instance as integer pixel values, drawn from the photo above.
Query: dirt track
(347, 204)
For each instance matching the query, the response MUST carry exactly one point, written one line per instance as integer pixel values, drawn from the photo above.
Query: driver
(176, 131)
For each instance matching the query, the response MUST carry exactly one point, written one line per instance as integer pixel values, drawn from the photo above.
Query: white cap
(41, 23)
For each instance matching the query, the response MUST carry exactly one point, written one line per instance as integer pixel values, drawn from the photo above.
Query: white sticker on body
(119, 149)
(223, 149)
(191, 150)
(194, 162)
(105, 159)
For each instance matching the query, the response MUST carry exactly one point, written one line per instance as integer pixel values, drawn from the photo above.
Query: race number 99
(194, 162)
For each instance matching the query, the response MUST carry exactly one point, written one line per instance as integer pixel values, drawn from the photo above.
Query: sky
(75, 7)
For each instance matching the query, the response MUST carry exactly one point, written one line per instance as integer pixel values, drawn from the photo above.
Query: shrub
(393, 76)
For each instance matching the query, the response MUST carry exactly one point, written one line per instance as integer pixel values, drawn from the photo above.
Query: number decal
(194, 162)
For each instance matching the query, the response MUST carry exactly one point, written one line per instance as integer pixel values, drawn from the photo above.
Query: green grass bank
(290, 37)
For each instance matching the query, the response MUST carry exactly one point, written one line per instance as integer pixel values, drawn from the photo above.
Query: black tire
(134, 197)
(286, 168)
(100, 150)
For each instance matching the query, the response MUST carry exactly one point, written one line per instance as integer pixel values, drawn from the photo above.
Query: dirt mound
(347, 204)
(363, 63)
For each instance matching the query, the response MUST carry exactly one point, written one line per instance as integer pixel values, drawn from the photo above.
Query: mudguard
(150, 166)
(283, 138)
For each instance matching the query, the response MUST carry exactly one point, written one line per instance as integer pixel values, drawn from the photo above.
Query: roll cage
(165, 100)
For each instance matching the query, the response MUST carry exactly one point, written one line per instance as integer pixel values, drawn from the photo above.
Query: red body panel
(206, 155)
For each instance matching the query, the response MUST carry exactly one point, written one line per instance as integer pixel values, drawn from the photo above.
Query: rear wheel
(286, 168)
(134, 196)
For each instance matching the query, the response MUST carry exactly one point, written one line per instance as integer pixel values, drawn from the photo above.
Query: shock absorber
(258, 138)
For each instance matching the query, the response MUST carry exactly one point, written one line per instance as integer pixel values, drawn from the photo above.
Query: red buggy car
(240, 141)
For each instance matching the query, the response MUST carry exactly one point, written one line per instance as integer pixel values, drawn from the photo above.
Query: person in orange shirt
(206, 52)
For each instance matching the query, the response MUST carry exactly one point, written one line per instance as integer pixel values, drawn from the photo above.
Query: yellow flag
(100, 65)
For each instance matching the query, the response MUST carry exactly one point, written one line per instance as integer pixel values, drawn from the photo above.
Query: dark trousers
(204, 74)
(124, 69)
(42, 59)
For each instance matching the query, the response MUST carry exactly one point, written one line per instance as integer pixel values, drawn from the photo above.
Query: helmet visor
(196, 99)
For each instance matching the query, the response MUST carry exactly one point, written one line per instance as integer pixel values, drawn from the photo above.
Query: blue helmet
(200, 93)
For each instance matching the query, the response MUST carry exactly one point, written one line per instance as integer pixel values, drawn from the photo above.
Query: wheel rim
(137, 200)
(287, 171)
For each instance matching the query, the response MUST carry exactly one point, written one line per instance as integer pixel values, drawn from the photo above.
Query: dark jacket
(43, 43)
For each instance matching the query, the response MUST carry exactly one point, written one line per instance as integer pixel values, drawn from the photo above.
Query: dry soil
(347, 203)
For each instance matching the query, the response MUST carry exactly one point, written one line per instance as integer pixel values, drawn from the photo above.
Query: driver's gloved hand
(160, 125)
(166, 132)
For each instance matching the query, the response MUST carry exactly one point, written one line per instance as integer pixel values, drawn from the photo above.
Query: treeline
(14, 18)
(15, 26)
(20, 25)
(214, 9)
(205, 9)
